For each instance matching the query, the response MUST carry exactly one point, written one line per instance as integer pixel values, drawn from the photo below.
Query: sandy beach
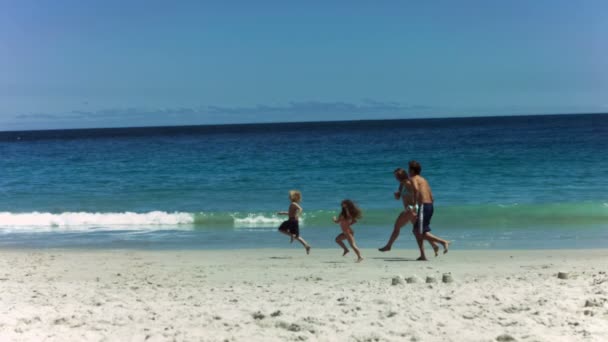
(284, 295)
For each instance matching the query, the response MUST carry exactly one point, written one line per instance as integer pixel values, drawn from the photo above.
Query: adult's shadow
(391, 259)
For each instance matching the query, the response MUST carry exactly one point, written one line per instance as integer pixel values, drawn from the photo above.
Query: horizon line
(302, 122)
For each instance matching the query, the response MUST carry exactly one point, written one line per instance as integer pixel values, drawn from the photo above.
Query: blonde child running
(291, 226)
(349, 216)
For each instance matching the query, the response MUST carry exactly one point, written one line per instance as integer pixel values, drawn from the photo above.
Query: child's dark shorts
(291, 226)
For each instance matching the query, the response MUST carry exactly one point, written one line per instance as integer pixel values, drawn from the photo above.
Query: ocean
(521, 182)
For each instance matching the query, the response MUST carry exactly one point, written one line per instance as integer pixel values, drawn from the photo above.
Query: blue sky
(67, 64)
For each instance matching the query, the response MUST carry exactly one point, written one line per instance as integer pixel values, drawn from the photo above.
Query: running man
(424, 199)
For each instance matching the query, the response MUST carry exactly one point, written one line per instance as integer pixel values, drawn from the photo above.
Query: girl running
(349, 216)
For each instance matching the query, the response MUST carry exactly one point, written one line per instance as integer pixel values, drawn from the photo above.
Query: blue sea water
(498, 182)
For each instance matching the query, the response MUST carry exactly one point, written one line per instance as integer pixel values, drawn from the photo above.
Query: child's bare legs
(304, 243)
(401, 221)
(420, 241)
(340, 241)
(351, 241)
(432, 239)
(293, 237)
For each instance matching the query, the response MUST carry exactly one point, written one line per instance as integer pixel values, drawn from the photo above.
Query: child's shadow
(394, 259)
(280, 257)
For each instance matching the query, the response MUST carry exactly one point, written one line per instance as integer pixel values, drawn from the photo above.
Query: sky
(74, 64)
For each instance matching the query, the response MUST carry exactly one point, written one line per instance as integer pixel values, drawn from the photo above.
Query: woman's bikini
(404, 194)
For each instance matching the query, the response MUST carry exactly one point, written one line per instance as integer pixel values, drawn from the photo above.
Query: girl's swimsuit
(349, 229)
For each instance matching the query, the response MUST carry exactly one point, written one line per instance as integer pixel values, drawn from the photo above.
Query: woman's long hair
(401, 174)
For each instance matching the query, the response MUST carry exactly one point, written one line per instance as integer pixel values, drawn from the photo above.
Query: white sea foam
(154, 220)
(253, 221)
(78, 220)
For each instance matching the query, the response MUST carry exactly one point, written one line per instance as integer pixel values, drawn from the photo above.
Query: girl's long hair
(350, 210)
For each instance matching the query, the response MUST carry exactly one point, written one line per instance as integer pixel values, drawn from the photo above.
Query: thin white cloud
(293, 111)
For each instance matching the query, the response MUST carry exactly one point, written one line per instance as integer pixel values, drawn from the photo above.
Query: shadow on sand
(394, 259)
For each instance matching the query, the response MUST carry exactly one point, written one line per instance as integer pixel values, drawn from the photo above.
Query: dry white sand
(284, 295)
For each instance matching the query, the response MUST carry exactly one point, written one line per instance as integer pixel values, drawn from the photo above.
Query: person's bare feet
(345, 252)
(446, 245)
(307, 249)
(384, 249)
(436, 250)
(421, 259)
(359, 259)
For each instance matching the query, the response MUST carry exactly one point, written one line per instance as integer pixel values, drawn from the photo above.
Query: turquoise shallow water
(518, 182)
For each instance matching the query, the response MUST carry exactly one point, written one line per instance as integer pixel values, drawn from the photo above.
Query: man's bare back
(423, 190)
